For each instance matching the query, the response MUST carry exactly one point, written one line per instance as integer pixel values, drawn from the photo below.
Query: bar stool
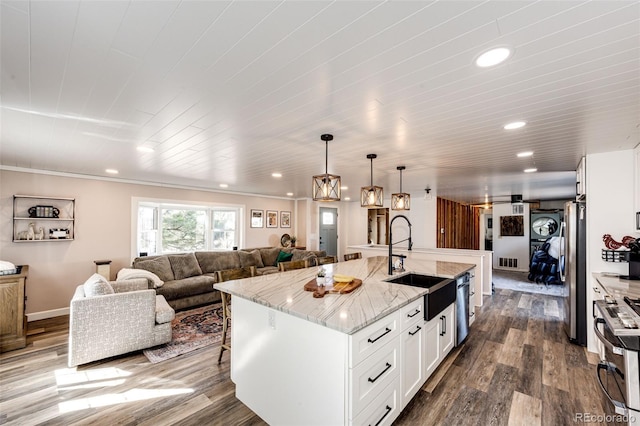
(227, 275)
(293, 264)
(352, 256)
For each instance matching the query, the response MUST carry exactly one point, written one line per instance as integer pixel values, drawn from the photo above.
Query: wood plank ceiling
(228, 92)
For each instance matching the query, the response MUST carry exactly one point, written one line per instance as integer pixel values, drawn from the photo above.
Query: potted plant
(320, 278)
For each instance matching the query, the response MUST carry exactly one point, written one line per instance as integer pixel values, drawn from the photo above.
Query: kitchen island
(342, 359)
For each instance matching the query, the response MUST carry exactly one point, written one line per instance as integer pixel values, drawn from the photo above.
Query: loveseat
(187, 278)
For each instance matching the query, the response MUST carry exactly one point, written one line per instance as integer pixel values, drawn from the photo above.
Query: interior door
(329, 230)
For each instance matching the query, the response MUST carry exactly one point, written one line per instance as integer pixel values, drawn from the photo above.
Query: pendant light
(401, 200)
(371, 196)
(326, 187)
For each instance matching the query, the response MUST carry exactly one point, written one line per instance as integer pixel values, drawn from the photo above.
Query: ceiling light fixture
(144, 149)
(531, 170)
(224, 185)
(326, 187)
(276, 175)
(290, 194)
(525, 154)
(514, 125)
(112, 171)
(371, 196)
(493, 57)
(401, 200)
(347, 198)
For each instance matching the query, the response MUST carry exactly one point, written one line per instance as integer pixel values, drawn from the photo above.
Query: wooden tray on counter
(337, 288)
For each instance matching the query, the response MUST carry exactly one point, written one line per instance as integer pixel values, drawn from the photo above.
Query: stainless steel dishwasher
(462, 307)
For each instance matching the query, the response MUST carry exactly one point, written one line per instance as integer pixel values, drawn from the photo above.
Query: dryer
(545, 224)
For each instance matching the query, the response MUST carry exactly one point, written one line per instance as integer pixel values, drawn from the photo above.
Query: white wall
(102, 229)
(422, 217)
(510, 247)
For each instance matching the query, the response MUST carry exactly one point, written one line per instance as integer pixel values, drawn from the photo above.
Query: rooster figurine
(612, 244)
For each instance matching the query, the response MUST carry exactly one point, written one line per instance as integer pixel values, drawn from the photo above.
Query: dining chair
(228, 275)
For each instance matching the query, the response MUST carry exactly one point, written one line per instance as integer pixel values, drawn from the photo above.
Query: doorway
(377, 225)
(329, 230)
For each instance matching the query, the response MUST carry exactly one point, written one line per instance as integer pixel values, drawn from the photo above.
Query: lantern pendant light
(371, 196)
(326, 187)
(401, 200)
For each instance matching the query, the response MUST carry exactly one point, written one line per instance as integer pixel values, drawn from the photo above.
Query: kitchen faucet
(391, 243)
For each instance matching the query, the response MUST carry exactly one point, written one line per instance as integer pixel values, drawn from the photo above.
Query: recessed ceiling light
(144, 149)
(515, 125)
(276, 175)
(224, 185)
(344, 188)
(347, 198)
(531, 170)
(112, 171)
(493, 57)
(525, 154)
(290, 194)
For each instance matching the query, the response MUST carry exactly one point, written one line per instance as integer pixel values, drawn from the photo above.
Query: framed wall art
(272, 218)
(511, 226)
(257, 218)
(285, 219)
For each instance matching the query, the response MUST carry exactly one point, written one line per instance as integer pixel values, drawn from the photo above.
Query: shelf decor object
(401, 200)
(41, 218)
(371, 196)
(326, 187)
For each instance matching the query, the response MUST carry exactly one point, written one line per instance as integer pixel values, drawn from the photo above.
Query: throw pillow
(97, 285)
(159, 265)
(283, 257)
(269, 255)
(132, 274)
(250, 258)
(184, 265)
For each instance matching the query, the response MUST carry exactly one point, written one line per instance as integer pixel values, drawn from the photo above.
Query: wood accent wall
(461, 225)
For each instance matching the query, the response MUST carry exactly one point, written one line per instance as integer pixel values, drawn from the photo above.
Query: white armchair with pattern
(113, 318)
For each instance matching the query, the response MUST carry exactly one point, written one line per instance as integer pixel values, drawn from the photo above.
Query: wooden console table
(13, 321)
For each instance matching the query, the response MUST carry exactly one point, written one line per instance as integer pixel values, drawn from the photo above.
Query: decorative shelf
(53, 219)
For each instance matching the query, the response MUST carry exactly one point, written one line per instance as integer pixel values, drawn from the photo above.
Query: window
(174, 228)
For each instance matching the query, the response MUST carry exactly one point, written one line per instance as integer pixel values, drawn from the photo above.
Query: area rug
(193, 329)
(517, 280)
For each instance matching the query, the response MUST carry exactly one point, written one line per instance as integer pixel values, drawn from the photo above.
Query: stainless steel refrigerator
(573, 271)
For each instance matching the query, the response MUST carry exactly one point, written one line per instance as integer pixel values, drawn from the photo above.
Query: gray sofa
(189, 277)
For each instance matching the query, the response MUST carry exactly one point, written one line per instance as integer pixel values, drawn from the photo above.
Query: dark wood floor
(515, 368)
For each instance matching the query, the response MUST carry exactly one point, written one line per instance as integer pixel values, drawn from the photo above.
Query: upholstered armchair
(113, 318)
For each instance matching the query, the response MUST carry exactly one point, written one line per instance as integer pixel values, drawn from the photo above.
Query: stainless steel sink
(441, 291)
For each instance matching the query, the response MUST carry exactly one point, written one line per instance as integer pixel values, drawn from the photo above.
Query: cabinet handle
(385, 415)
(418, 328)
(471, 314)
(414, 314)
(381, 373)
(596, 290)
(444, 325)
(387, 331)
(441, 326)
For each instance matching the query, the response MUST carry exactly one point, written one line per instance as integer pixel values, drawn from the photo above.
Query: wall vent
(508, 262)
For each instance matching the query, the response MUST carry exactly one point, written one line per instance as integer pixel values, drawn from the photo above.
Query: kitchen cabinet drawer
(366, 341)
(412, 313)
(384, 409)
(374, 374)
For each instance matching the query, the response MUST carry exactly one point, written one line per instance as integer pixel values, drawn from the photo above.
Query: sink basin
(419, 280)
(441, 291)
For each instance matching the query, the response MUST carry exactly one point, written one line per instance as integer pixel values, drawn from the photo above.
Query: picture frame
(257, 218)
(511, 226)
(272, 218)
(285, 219)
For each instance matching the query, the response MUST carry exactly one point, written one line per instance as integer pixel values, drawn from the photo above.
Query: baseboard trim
(35, 316)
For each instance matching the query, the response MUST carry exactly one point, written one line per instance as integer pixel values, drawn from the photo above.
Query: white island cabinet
(356, 358)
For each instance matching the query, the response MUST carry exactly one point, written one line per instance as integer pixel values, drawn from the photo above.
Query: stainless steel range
(617, 326)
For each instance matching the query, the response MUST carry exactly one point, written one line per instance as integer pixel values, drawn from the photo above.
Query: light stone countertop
(617, 287)
(348, 313)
